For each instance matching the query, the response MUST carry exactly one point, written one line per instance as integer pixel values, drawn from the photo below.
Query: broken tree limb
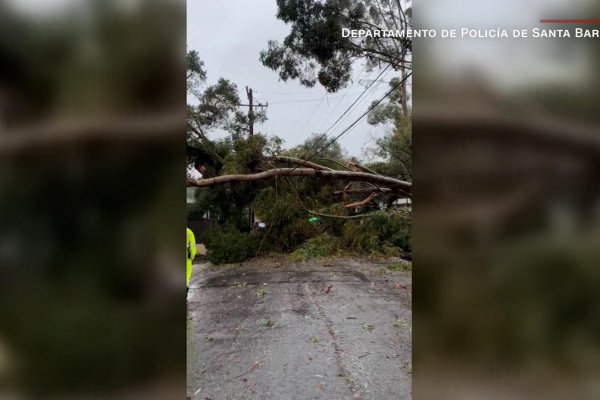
(302, 172)
(198, 132)
(362, 202)
(331, 160)
(346, 188)
(318, 214)
(369, 190)
(304, 163)
(356, 166)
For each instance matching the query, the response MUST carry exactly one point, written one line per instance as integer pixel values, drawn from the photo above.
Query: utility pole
(251, 119)
(250, 111)
(251, 105)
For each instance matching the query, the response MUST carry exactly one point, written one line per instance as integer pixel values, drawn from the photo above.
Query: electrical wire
(342, 98)
(363, 115)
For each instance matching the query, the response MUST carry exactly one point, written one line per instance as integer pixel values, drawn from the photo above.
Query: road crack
(342, 371)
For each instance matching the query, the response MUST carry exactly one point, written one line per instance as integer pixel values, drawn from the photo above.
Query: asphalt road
(271, 329)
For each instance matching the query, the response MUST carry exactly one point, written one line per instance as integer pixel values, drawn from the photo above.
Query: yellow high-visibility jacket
(190, 254)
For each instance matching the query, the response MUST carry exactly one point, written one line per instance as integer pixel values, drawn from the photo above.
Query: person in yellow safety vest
(190, 254)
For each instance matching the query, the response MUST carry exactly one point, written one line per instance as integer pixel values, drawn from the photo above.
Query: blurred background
(506, 233)
(92, 199)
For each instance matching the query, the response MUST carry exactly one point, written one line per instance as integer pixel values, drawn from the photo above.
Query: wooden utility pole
(251, 105)
(251, 119)
(250, 111)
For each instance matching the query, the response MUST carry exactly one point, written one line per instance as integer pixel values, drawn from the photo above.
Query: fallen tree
(356, 206)
(392, 183)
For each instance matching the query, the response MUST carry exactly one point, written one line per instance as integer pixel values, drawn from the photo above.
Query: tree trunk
(303, 172)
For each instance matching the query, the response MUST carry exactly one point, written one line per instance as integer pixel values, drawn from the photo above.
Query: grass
(399, 267)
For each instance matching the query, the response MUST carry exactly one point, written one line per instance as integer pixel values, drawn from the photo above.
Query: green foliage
(195, 72)
(390, 110)
(323, 245)
(246, 156)
(240, 123)
(315, 50)
(216, 104)
(229, 204)
(399, 267)
(283, 204)
(288, 223)
(383, 233)
(395, 148)
(306, 150)
(225, 246)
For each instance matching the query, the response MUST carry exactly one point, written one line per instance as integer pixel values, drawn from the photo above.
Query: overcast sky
(229, 36)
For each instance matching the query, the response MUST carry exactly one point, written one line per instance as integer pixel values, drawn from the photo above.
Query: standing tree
(315, 49)
(395, 148)
(216, 107)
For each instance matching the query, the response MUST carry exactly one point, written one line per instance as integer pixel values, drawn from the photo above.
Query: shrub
(383, 233)
(230, 246)
(323, 245)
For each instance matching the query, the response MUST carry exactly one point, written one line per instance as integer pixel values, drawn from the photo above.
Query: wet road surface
(273, 329)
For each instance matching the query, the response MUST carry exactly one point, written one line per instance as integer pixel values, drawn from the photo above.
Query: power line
(307, 91)
(324, 135)
(369, 90)
(325, 96)
(342, 98)
(315, 109)
(357, 99)
(363, 115)
(295, 101)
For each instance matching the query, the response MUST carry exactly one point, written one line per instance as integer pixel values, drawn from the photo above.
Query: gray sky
(229, 36)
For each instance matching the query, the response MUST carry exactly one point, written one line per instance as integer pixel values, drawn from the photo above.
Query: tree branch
(362, 202)
(304, 163)
(302, 172)
(197, 131)
(318, 214)
(335, 162)
(362, 167)
(362, 191)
